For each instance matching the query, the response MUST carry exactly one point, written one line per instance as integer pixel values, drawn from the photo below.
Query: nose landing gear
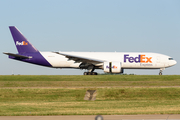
(161, 70)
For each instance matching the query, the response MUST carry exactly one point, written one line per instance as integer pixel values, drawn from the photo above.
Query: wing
(17, 56)
(81, 59)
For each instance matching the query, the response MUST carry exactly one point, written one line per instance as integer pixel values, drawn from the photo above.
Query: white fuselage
(128, 60)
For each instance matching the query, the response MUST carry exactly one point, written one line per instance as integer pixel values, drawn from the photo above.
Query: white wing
(81, 59)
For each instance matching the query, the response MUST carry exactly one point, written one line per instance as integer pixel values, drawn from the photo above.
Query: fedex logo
(112, 67)
(21, 43)
(139, 59)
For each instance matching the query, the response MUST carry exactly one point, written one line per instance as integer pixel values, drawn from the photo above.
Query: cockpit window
(170, 58)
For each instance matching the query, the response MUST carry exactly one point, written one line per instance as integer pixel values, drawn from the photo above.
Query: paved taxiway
(92, 117)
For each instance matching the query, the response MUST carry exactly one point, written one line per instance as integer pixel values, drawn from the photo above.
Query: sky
(90, 25)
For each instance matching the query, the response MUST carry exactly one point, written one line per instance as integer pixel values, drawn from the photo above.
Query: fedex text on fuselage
(138, 59)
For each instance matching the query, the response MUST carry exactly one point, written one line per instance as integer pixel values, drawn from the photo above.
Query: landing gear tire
(85, 73)
(94, 73)
(160, 73)
(90, 73)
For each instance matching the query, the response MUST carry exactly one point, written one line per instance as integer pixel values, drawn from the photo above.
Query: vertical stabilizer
(22, 44)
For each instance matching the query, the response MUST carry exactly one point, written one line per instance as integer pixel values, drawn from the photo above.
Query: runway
(92, 117)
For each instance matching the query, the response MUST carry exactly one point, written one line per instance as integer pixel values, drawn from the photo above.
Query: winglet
(22, 44)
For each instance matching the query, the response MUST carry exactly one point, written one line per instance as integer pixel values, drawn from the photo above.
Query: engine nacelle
(112, 67)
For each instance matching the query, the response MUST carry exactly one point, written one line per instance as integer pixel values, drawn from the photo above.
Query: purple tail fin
(22, 44)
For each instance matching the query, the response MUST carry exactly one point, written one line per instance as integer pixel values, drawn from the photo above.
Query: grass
(127, 94)
(89, 81)
(109, 101)
(89, 78)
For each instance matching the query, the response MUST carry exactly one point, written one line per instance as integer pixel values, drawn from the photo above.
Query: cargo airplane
(109, 62)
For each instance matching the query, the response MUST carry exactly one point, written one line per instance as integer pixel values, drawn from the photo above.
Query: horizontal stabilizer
(17, 56)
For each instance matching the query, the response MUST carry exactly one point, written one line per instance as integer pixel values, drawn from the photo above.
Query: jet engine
(113, 67)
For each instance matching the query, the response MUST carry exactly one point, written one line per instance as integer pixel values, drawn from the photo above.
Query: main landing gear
(90, 71)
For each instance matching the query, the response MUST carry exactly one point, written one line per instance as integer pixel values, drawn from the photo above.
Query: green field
(89, 81)
(63, 95)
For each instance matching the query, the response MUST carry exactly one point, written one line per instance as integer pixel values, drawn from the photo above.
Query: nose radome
(175, 62)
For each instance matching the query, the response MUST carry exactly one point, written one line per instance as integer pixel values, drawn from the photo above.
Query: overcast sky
(90, 25)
